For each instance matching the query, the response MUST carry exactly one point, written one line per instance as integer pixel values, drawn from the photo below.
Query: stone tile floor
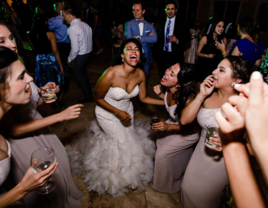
(67, 130)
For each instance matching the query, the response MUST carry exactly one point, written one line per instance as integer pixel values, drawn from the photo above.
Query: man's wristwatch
(139, 37)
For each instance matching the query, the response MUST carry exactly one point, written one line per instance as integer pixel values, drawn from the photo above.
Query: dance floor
(67, 132)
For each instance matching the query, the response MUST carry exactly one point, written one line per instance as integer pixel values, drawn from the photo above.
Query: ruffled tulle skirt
(118, 161)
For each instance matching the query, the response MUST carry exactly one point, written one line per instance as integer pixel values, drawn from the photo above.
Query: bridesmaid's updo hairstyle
(186, 79)
(7, 57)
(241, 68)
(118, 59)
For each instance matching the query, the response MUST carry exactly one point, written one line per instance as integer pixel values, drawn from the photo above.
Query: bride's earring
(122, 60)
(232, 85)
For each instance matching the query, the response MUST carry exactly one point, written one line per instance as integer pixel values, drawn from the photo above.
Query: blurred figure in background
(190, 53)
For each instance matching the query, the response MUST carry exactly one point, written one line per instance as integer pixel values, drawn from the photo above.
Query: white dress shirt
(141, 26)
(172, 25)
(81, 39)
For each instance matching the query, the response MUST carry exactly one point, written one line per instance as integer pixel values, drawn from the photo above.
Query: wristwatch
(139, 37)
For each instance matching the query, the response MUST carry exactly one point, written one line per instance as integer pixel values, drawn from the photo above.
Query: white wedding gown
(119, 157)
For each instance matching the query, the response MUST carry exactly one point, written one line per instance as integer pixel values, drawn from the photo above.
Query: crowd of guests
(214, 78)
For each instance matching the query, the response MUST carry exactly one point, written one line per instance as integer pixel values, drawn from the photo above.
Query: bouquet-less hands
(255, 100)
(70, 113)
(124, 116)
(206, 88)
(157, 89)
(32, 180)
(160, 126)
(48, 86)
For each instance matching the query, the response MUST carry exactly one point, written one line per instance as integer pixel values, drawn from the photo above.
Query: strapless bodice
(120, 99)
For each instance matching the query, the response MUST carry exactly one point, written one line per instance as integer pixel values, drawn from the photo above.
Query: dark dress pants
(80, 72)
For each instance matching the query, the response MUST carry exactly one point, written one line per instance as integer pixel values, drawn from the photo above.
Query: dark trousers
(166, 60)
(80, 72)
(64, 51)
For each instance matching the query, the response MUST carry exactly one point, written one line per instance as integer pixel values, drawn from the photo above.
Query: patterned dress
(263, 68)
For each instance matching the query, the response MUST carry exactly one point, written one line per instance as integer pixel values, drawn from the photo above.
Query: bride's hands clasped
(124, 116)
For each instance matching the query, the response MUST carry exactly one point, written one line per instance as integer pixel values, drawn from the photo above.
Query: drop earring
(122, 60)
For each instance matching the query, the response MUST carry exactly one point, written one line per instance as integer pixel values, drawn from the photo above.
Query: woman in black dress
(209, 55)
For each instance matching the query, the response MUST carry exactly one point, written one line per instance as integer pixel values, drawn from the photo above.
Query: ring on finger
(217, 147)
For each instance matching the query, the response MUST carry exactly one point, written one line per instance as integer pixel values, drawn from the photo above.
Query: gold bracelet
(199, 99)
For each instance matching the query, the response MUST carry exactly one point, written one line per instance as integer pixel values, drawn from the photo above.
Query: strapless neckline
(125, 90)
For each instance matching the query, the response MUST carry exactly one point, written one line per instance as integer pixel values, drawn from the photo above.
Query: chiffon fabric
(119, 157)
(65, 195)
(172, 155)
(190, 54)
(205, 176)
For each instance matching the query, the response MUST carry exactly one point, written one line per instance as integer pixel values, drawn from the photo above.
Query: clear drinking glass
(212, 131)
(41, 159)
(154, 119)
(48, 94)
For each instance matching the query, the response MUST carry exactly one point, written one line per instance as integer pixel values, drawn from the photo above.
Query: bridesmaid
(175, 143)
(14, 91)
(29, 133)
(206, 176)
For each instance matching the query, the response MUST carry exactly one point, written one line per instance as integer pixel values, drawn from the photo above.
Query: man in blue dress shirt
(143, 31)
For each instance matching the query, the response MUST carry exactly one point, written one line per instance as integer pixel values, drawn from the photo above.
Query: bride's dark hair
(118, 59)
(186, 80)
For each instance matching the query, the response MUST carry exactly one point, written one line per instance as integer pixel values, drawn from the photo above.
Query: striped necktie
(167, 36)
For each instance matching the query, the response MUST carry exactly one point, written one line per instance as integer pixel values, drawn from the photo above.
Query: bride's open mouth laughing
(133, 58)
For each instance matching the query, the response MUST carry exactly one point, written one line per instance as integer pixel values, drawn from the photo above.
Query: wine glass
(41, 159)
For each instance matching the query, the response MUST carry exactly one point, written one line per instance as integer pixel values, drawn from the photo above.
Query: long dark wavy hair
(118, 59)
(186, 80)
(210, 39)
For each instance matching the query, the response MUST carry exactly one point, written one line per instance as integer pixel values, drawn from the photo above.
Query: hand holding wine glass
(41, 159)
(32, 180)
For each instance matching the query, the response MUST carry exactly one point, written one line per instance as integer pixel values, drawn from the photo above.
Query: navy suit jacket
(181, 31)
(132, 28)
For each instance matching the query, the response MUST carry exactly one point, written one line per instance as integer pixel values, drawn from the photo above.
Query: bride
(119, 157)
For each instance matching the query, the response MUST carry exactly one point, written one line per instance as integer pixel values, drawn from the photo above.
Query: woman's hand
(50, 85)
(160, 126)
(217, 141)
(32, 180)
(211, 56)
(70, 113)
(157, 89)
(207, 86)
(61, 70)
(231, 127)
(220, 45)
(124, 116)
